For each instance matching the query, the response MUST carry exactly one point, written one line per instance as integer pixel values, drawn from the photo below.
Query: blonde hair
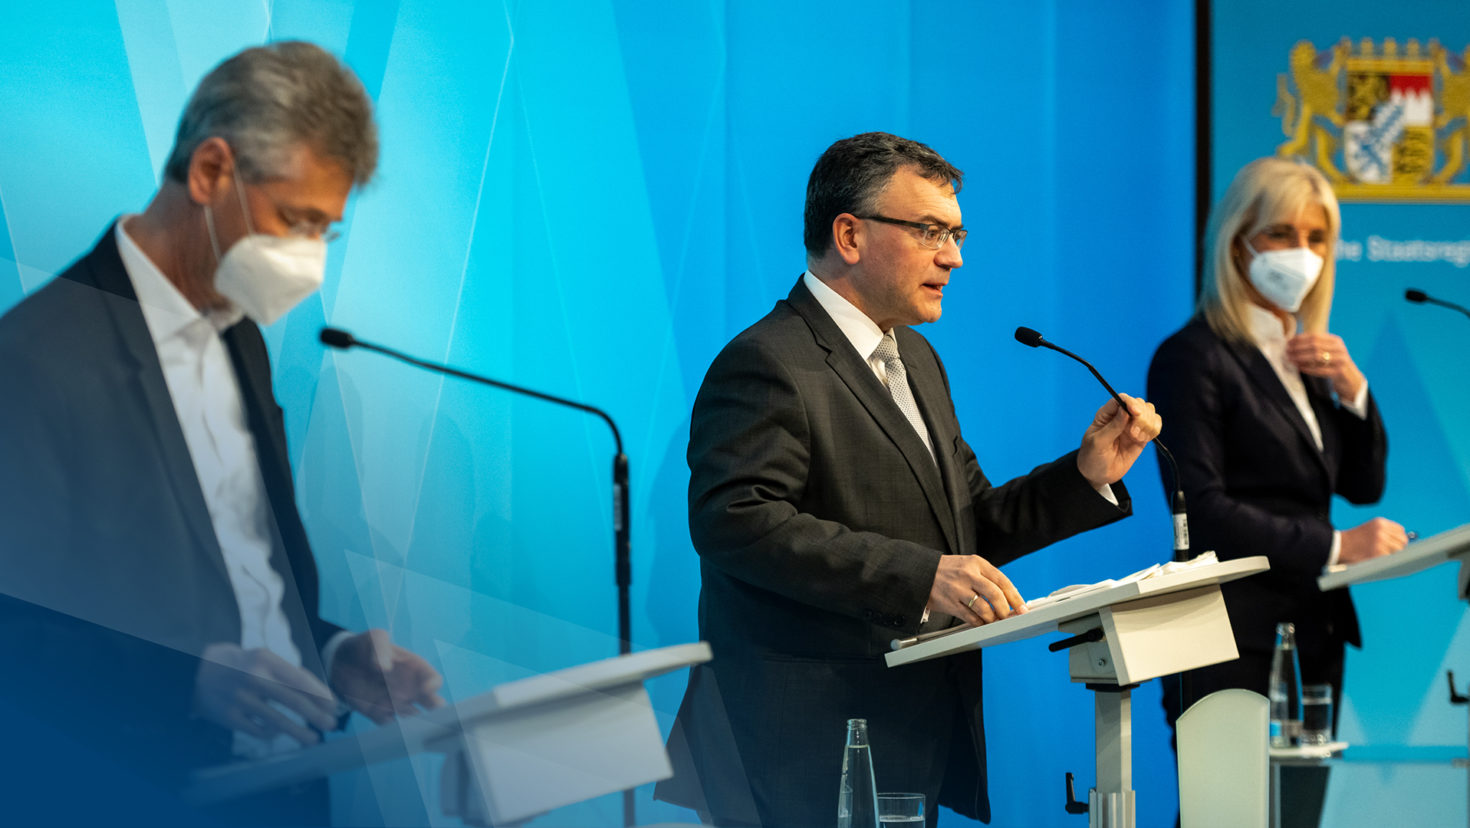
(1263, 191)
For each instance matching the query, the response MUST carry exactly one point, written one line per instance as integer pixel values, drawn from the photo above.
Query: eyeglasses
(1290, 235)
(300, 225)
(931, 236)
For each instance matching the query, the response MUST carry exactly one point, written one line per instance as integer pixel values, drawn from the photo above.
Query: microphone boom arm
(1059, 349)
(1031, 338)
(622, 542)
(1419, 297)
(506, 386)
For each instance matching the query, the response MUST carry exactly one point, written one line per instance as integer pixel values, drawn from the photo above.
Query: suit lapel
(854, 372)
(932, 394)
(136, 343)
(1260, 372)
(1319, 396)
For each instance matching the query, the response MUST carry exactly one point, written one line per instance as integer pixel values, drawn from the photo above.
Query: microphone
(1033, 339)
(337, 338)
(1419, 297)
(623, 568)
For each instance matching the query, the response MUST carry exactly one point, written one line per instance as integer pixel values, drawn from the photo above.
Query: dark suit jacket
(1257, 484)
(112, 581)
(820, 518)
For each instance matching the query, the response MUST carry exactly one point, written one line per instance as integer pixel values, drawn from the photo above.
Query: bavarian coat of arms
(1383, 123)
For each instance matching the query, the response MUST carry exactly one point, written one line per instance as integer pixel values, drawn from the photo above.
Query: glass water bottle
(1285, 688)
(857, 799)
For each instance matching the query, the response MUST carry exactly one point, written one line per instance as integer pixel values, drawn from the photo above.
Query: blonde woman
(1269, 418)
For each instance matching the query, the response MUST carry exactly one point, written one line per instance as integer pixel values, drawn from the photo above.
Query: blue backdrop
(1396, 702)
(592, 197)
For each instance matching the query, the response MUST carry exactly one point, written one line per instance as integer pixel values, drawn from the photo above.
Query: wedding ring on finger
(1324, 358)
(970, 604)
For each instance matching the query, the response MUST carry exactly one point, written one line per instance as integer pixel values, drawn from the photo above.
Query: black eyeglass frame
(940, 233)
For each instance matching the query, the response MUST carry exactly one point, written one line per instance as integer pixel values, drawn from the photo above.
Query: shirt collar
(862, 332)
(165, 309)
(1264, 326)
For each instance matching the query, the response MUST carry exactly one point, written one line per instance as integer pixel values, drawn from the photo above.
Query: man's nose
(949, 254)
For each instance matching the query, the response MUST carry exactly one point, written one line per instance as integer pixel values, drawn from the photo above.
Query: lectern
(1453, 545)
(1418, 556)
(1122, 634)
(516, 751)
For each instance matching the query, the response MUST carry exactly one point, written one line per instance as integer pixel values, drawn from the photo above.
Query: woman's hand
(1377, 537)
(1325, 355)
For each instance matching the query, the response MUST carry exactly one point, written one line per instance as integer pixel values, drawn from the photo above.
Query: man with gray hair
(158, 596)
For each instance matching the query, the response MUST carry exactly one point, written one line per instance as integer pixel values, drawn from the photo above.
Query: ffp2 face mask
(1285, 277)
(266, 276)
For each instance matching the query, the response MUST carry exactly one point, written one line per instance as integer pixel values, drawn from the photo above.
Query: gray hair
(268, 100)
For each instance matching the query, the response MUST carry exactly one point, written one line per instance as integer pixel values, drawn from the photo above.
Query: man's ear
(847, 237)
(211, 170)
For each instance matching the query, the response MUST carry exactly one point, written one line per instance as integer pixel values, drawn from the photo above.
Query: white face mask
(1285, 277)
(265, 276)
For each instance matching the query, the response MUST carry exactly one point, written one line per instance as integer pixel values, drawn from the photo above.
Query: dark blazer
(820, 517)
(111, 577)
(1257, 484)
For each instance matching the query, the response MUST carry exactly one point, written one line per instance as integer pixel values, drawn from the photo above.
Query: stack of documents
(1154, 571)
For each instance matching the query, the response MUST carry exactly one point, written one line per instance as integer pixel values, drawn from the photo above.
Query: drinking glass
(900, 810)
(1316, 714)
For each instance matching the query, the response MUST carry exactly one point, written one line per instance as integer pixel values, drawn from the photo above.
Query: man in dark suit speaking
(158, 597)
(835, 507)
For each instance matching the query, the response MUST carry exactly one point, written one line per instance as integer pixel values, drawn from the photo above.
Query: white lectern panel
(520, 749)
(1417, 556)
(1048, 618)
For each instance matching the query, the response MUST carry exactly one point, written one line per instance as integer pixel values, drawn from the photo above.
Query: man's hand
(380, 679)
(245, 690)
(1115, 439)
(1377, 537)
(971, 589)
(1325, 355)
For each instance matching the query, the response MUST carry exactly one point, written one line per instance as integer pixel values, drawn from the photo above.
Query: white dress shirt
(206, 396)
(862, 332)
(1269, 335)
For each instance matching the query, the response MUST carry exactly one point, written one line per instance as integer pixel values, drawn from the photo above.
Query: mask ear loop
(244, 210)
(213, 240)
(240, 191)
